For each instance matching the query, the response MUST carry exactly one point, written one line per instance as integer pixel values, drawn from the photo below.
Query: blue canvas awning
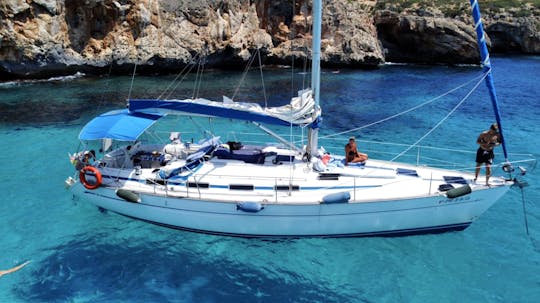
(118, 125)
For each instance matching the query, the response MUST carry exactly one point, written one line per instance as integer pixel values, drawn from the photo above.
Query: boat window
(241, 187)
(286, 187)
(199, 185)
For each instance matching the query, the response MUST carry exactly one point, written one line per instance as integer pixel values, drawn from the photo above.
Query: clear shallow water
(81, 255)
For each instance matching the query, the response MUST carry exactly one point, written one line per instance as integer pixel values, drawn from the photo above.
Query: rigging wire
(142, 32)
(132, 80)
(479, 81)
(481, 77)
(442, 120)
(246, 69)
(198, 77)
(189, 65)
(262, 78)
(107, 85)
(185, 71)
(202, 129)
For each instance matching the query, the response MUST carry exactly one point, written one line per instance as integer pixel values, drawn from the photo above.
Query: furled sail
(298, 112)
(486, 64)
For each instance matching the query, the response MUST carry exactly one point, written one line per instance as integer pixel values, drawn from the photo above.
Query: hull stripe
(390, 233)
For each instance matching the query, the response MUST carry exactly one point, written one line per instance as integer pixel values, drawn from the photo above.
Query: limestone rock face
(349, 36)
(426, 39)
(515, 37)
(413, 32)
(41, 38)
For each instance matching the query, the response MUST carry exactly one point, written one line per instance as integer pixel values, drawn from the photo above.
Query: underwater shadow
(99, 269)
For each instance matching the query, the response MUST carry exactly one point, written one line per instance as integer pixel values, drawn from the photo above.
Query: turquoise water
(79, 254)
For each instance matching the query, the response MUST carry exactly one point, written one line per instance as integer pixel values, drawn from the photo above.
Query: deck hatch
(455, 179)
(328, 176)
(407, 172)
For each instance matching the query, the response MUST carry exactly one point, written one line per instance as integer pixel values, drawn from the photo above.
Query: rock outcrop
(349, 36)
(419, 32)
(425, 39)
(40, 38)
(49, 36)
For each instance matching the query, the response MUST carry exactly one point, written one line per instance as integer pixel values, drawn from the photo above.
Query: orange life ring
(96, 172)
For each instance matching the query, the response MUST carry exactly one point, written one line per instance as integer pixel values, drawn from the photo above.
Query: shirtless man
(351, 153)
(8, 271)
(487, 141)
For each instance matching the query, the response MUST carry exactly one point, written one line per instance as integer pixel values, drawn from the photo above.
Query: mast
(486, 65)
(313, 132)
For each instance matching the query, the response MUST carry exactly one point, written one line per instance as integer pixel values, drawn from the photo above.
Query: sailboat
(277, 189)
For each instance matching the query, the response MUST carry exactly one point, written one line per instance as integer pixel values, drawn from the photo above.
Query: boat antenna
(486, 65)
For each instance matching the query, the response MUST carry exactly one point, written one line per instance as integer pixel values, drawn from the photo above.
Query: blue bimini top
(118, 125)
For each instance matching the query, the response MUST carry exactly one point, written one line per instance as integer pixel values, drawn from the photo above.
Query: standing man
(487, 141)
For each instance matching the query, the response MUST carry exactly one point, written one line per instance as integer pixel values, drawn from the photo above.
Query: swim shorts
(484, 156)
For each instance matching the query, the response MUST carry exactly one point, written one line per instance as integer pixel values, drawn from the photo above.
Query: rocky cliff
(440, 31)
(40, 38)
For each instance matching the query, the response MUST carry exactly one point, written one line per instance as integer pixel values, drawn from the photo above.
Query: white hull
(271, 190)
(373, 210)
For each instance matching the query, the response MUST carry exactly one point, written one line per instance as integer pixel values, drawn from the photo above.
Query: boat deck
(229, 180)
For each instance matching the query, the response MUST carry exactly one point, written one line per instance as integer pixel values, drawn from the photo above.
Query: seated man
(351, 153)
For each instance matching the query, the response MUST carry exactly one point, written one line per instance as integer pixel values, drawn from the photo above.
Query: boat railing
(285, 187)
(420, 155)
